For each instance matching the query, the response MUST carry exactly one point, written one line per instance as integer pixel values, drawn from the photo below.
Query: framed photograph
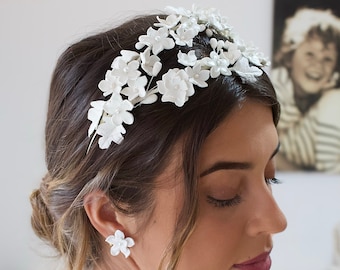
(305, 73)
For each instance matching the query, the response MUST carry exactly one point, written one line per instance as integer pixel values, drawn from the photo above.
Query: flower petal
(130, 242)
(94, 114)
(115, 250)
(126, 251)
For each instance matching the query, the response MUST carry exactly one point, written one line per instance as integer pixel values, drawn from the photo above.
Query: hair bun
(41, 219)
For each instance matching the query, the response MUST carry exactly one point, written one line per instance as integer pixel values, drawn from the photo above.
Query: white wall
(32, 35)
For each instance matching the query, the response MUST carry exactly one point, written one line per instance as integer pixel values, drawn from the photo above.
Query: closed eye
(224, 203)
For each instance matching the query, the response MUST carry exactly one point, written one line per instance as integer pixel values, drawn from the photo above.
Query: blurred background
(33, 33)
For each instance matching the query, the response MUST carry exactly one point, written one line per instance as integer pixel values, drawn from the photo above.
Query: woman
(306, 79)
(173, 170)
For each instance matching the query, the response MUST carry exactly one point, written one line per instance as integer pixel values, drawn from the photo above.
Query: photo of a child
(306, 66)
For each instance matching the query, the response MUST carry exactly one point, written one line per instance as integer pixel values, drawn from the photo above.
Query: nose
(266, 216)
(317, 63)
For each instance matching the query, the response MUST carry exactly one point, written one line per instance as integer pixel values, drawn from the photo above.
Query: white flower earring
(119, 243)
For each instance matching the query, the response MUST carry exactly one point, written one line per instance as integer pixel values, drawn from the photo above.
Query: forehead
(317, 44)
(248, 134)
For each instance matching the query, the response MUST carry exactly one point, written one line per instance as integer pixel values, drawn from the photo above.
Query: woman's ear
(102, 213)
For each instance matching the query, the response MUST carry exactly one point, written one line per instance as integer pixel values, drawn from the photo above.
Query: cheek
(158, 233)
(329, 69)
(212, 246)
(297, 69)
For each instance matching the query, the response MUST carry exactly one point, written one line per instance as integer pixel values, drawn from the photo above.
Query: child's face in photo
(312, 65)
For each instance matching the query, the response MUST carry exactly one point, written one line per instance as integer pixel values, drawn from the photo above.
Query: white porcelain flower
(187, 59)
(246, 71)
(125, 70)
(217, 64)
(198, 76)
(191, 23)
(150, 63)
(135, 88)
(179, 10)
(232, 52)
(128, 55)
(256, 57)
(109, 132)
(183, 36)
(175, 87)
(218, 21)
(111, 84)
(157, 40)
(170, 21)
(201, 13)
(119, 243)
(118, 109)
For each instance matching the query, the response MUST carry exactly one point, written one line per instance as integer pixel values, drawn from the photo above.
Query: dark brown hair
(126, 172)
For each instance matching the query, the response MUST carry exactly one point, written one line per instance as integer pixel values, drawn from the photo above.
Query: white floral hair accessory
(127, 83)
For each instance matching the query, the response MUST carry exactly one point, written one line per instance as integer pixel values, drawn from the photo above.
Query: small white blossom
(256, 57)
(188, 59)
(246, 71)
(128, 55)
(125, 70)
(175, 87)
(232, 53)
(158, 40)
(110, 85)
(219, 22)
(218, 65)
(198, 76)
(191, 23)
(150, 63)
(202, 14)
(169, 22)
(109, 132)
(135, 88)
(118, 108)
(183, 36)
(179, 11)
(119, 243)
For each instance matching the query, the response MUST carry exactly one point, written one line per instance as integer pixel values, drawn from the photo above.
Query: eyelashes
(236, 200)
(273, 180)
(224, 203)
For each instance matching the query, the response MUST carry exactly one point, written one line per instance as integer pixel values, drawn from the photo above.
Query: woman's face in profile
(237, 212)
(313, 64)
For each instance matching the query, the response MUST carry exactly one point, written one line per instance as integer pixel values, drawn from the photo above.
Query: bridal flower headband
(127, 83)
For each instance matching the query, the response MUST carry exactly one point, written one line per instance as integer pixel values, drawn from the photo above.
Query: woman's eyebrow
(234, 165)
(227, 165)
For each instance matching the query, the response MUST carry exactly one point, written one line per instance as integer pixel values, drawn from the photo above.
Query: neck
(304, 100)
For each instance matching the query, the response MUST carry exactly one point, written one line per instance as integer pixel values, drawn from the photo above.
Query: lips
(261, 262)
(314, 76)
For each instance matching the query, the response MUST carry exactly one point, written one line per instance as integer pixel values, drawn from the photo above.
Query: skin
(312, 66)
(230, 231)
